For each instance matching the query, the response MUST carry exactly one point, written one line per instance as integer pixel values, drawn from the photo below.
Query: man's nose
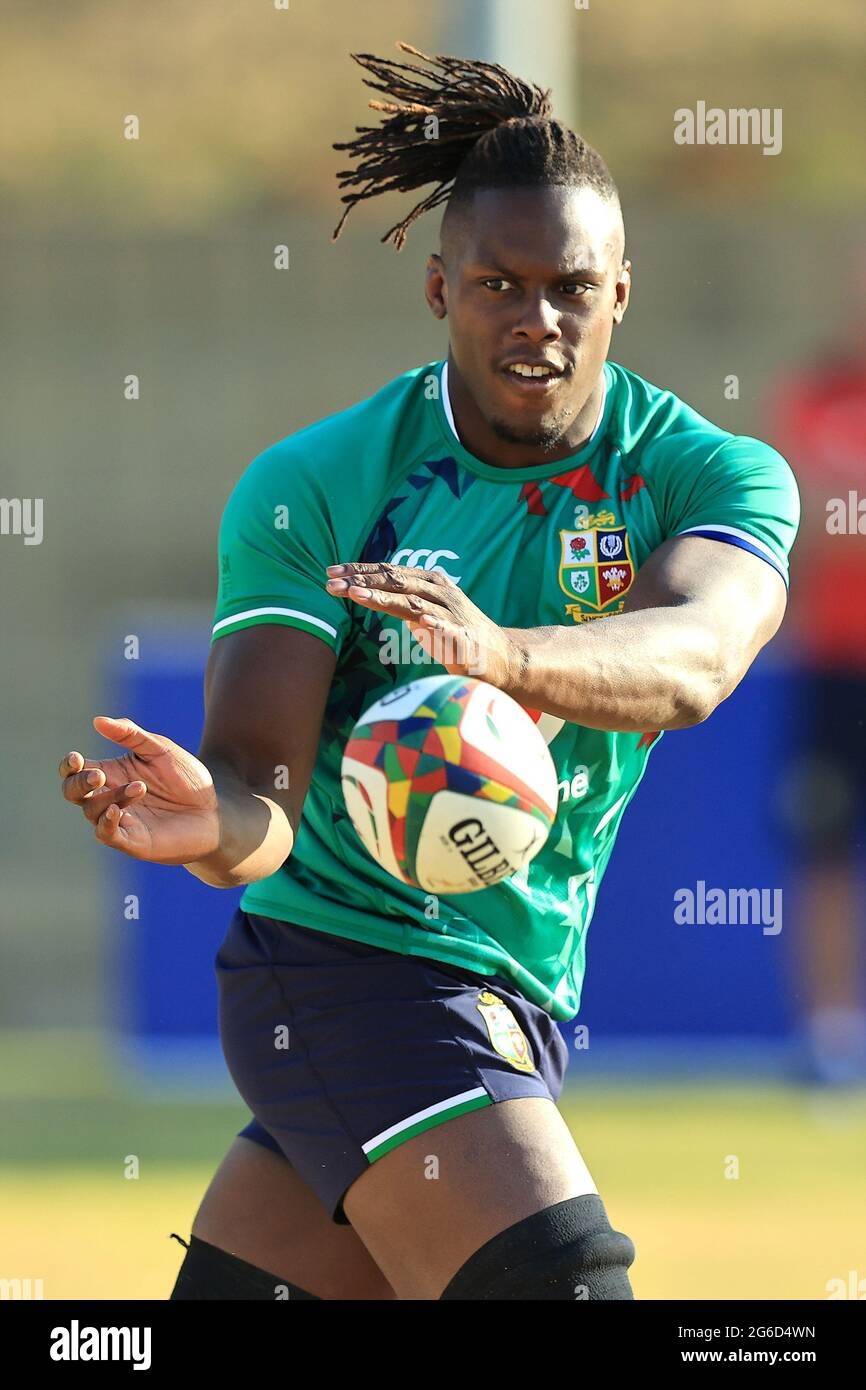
(539, 322)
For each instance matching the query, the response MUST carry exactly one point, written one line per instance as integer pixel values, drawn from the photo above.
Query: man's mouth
(537, 377)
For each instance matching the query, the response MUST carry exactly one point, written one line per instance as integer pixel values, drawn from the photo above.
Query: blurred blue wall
(656, 989)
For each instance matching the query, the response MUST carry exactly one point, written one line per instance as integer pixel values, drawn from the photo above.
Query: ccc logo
(426, 559)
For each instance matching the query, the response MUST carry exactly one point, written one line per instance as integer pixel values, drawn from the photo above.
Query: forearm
(657, 668)
(255, 837)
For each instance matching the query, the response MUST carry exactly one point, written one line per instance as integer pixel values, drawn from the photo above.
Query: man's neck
(477, 436)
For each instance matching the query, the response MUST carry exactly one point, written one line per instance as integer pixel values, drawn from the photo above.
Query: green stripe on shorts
(425, 1119)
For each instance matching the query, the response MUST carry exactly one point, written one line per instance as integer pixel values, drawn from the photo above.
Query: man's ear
(435, 289)
(623, 292)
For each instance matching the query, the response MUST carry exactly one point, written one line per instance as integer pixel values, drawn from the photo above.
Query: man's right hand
(155, 802)
(229, 815)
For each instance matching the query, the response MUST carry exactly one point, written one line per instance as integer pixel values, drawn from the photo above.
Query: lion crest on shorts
(506, 1035)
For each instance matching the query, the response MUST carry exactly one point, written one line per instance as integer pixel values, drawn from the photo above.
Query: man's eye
(575, 287)
(495, 283)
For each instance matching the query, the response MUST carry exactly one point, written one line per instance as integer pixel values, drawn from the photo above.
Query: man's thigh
(258, 1209)
(424, 1208)
(381, 1047)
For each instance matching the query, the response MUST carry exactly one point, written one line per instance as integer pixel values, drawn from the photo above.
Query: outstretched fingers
(131, 736)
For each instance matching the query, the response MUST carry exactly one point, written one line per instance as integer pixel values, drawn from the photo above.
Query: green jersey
(389, 480)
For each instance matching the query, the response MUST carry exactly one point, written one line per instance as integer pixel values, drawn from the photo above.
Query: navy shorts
(343, 1051)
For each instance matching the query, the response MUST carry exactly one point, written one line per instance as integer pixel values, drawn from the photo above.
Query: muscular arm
(695, 618)
(265, 694)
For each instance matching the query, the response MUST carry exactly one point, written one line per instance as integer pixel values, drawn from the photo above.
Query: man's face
(531, 277)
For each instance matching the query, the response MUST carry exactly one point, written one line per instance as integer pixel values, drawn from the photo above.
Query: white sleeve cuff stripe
(734, 534)
(275, 612)
(731, 536)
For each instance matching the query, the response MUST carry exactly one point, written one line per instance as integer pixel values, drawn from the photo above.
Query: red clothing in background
(819, 423)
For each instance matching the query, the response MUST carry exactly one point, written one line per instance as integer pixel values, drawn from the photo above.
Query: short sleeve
(742, 493)
(275, 540)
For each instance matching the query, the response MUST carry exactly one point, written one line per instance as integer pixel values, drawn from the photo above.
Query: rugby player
(401, 1057)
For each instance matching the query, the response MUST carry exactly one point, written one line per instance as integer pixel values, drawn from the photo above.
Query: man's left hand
(454, 633)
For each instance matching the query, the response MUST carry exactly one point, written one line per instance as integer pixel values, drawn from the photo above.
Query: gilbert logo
(426, 559)
(76, 1343)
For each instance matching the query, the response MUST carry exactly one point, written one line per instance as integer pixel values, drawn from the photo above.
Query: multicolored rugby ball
(449, 783)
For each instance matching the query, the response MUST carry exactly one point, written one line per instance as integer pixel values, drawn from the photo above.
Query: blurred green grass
(790, 1221)
(65, 1097)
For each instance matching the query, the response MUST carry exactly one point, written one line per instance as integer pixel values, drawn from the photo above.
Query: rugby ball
(449, 783)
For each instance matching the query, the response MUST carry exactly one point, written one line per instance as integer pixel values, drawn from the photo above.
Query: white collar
(449, 413)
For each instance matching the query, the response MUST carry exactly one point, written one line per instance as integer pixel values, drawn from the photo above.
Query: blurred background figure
(817, 419)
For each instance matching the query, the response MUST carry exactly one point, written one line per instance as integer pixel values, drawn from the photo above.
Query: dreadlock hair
(490, 130)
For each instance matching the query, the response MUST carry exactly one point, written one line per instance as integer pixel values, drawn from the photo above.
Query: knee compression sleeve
(568, 1252)
(208, 1272)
